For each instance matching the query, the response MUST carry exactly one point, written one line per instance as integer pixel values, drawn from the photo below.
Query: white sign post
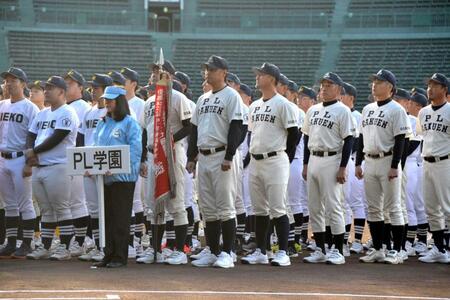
(98, 160)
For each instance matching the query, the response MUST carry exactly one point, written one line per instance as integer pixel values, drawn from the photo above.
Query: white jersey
(435, 125)
(301, 120)
(89, 124)
(243, 147)
(136, 105)
(179, 110)
(380, 125)
(213, 115)
(15, 119)
(357, 117)
(327, 126)
(81, 107)
(44, 125)
(268, 121)
(146, 119)
(415, 137)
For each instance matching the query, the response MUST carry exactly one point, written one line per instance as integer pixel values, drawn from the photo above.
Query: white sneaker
(139, 250)
(403, 255)
(39, 253)
(145, 241)
(335, 258)
(176, 258)
(356, 247)
(61, 253)
(202, 253)
(255, 258)
(311, 246)
(435, 256)
(410, 251)
(281, 259)
(147, 257)
(55, 243)
(224, 260)
(234, 257)
(270, 254)
(420, 247)
(206, 260)
(36, 242)
(88, 244)
(196, 244)
(316, 257)
(393, 258)
(99, 256)
(346, 250)
(368, 245)
(76, 250)
(131, 252)
(166, 252)
(88, 256)
(373, 256)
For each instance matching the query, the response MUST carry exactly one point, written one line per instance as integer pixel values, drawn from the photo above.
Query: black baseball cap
(402, 94)
(183, 78)
(177, 86)
(420, 99)
(216, 62)
(16, 72)
(130, 74)
(167, 66)
(245, 89)
(233, 78)
(268, 69)
(102, 80)
(333, 78)
(56, 81)
(385, 75)
(349, 89)
(283, 80)
(292, 86)
(419, 90)
(86, 95)
(76, 76)
(439, 78)
(117, 77)
(37, 84)
(309, 92)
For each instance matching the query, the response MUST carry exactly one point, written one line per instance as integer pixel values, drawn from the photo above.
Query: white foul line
(230, 293)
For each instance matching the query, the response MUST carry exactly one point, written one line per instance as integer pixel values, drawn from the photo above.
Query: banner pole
(101, 209)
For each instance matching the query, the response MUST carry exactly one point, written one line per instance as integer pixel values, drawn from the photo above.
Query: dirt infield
(76, 280)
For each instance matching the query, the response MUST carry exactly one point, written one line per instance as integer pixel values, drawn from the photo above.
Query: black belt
(43, 166)
(211, 151)
(262, 156)
(323, 153)
(432, 159)
(11, 155)
(380, 155)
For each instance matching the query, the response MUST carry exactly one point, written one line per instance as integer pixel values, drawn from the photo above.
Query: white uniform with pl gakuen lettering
(435, 125)
(15, 118)
(216, 188)
(326, 127)
(379, 126)
(268, 122)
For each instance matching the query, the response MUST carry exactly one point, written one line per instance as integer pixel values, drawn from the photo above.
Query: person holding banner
(118, 128)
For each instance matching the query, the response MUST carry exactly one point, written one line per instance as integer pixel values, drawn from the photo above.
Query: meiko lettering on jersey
(44, 125)
(15, 118)
(268, 122)
(81, 107)
(435, 130)
(89, 124)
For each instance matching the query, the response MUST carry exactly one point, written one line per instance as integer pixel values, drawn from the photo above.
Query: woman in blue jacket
(118, 128)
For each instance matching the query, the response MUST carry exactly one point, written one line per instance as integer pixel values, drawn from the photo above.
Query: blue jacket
(126, 132)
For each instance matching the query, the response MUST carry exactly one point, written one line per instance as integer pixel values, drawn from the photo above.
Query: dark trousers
(118, 205)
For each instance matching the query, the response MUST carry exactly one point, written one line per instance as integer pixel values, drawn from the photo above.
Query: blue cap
(57, 81)
(292, 86)
(333, 78)
(130, 74)
(245, 89)
(233, 78)
(420, 99)
(216, 62)
(385, 75)
(419, 90)
(183, 78)
(268, 69)
(76, 76)
(309, 92)
(117, 77)
(350, 89)
(16, 72)
(101, 80)
(112, 92)
(439, 78)
(402, 94)
(283, 80)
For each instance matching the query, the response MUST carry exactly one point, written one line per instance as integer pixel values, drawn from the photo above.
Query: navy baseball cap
(86, 95)
(333, 78)
(112, 92)
(402, 94)
(75, 76)
(245, 89)
(292, 86)
(16, 72)
(385, 75)
(56, 81)
(268, 69)
(130, 74)
(439, 78)
(177, 86)
(183, 78)
(233, 78)
(309, 92)
(117, 77)
(101, 80)
(419, 90)
(37, 84)
(216, 62)
(350, 89)
(420, 99)
(167, 66)
(283, 80)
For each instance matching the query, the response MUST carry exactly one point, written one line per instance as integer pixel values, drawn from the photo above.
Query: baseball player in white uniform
(273, 123)
(16, 115)
(384, 127)
(216, 133)
(435, 124)
(329, 129)
(52, 131)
